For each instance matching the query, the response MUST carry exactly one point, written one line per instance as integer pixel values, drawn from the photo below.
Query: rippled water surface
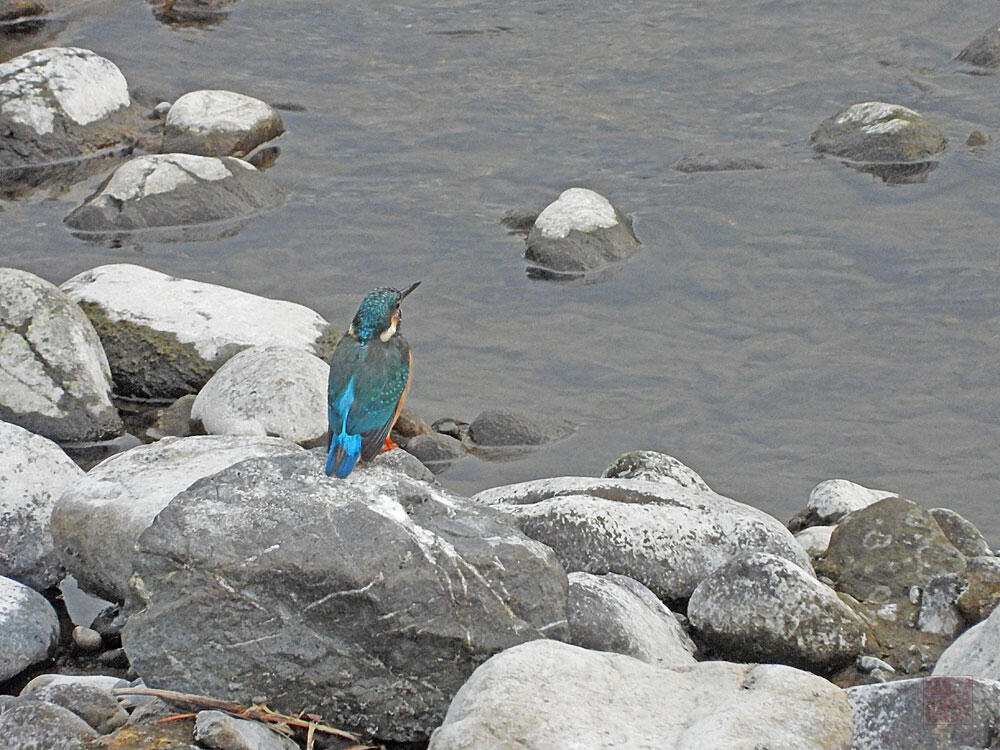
(778, 327)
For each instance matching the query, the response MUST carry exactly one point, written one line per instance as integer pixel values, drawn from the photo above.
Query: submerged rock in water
(219, 123)
(984, 51)
(878, 132)
(503, 428)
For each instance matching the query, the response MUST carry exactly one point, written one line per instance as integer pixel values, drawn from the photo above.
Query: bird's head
(379, 313)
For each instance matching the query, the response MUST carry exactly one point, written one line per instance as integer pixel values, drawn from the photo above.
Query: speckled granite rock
(29, 628)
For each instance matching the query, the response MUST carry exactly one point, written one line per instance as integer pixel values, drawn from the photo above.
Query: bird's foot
(389, 445)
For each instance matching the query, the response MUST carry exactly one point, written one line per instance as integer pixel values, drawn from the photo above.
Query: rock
(879, 552)
(87, 639)
(833, 499)
(579, 232)
(435, 449)
(974, 653)
(930, 713)
(267, 390)
(199, 13)
(616, 613)
(175, 190)
(175, 420)
(29, 628)
(502, 428)
(15, 10)
(967, 538)
(709, 163)
(33, 474)
(97, 521)
(62, 103)
(938, 611)
(878, 132)
(667, 538)
(758, 607)
(172, 735)
(984, 51)
(870, 664)
(54, 377)
(166, 336)
(219, 123)
(115, 658)
(552, 695)
(95, 706)
(977, 139)
(35, 725)
(815, 540)
(654, 467)
(368, 600)
(221, 731)
(104, 683)
(521, 219)
(982, 589)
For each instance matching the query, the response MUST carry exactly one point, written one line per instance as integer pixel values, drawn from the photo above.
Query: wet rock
(930, 713)
(54, 377)
(815, 540)
(451, 427)
(435, 449)
(615, 613)
(710, 163)
(368, 599)
(960, 532)
(97, 521)
(175, 420)
(166, 336)
(654, 467)
(14, 10)
(833, 499)
(981, 594)
(501, 428)
(667, 538)
(219, 123)
(62, 103)
(215, 729)
(33, 725)
(95, 706)
(984, 51)
(175, 190)
(878, 132)
(975, 652)
(977, 139)
(409, 424)
(879, 552)
(29, 628)
(938, 610)
(579, 232)
(198, 13)
(552, 695)
(759, 607)
(521, 219)
(33, 474)
(267, 390)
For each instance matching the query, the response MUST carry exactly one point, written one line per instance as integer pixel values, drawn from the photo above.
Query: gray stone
(166, 336)
(33, 474)
(615, 613)
(654, 467)
(175, 190)
(967, 538)
(939, 612)
(54, 376)
(97, 521)
(984, 51)
(435, 448)
(832, 499)
(975, 652)
(29, 628)
(666, 537)
(711, 163)
(870, 664)
(580, 232)
(758, 607)
(369, 599)
(981, 593)
(267, 390)
(105, 683)
(36, 725)
(931, 713)
(87, 639)
(545, 694)
(220, 731)
(503, 428)
(94, 705)
(61, 103)
(175, 420)
(219, 123)
(815, 540)
(878, 132)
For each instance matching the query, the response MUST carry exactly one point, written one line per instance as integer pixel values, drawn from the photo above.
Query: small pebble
(86, 639)
(977, 138)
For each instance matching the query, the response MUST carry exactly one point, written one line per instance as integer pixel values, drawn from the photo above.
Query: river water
(778, 327)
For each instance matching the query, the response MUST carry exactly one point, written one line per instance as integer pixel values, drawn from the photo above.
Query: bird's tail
(344, 452)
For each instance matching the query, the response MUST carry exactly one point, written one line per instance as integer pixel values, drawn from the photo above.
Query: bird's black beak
(408, 289)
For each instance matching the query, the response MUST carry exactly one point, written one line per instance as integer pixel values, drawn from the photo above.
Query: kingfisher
(369, 376)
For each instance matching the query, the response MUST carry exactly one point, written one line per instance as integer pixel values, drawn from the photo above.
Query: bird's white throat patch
(389, 332)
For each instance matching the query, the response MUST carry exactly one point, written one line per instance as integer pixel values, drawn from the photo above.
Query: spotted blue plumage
(369, 374)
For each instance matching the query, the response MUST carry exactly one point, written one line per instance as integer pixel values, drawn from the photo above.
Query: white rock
(834, 498)
(96, 522)
(29, 628)
(815, 539)
(545, 694)
(615, 613)
(34, 472)
(576, 208)
(161, 173)
(272, 390)
(975, 653)
(219, 123)
(107, 683)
